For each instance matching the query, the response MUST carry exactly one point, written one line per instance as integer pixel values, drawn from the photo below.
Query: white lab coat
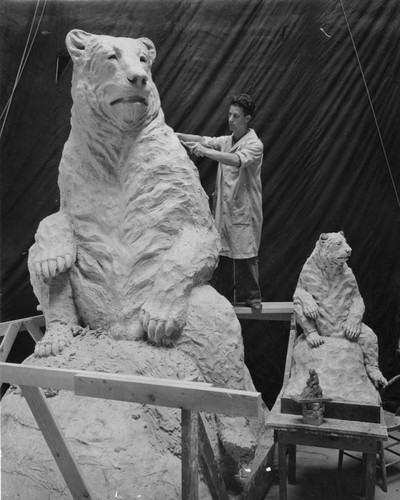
(237, 203)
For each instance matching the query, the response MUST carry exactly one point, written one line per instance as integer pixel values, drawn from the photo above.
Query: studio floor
(318, 478)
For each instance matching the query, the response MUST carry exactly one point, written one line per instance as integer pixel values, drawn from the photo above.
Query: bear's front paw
(162, 324)
(352, 330)
(310, 309)
(313, 339)
(54, 250)
(51, 264)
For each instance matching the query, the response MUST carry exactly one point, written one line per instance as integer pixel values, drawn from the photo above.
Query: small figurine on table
(313, 404)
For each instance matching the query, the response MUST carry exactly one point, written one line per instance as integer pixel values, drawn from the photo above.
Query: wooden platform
(271, 311)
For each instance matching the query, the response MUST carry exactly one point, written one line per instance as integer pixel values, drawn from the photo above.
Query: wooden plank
(272, 311)
(39, 321)
(57, 378)
(190, 455)
(8, 341)
(34, 331)
(339, 410)
(262, 479)
(209, 465)
(56, 442)
(37, 376)
(189, 396)
(289, 352)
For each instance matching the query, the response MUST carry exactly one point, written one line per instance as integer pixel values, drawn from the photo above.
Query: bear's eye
(112, 56)
(143, 59)
(338, 243)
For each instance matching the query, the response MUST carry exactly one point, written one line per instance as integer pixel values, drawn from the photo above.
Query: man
(237, 202)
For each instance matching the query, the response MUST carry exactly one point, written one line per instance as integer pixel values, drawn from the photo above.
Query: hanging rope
(25, 56)
(371, 104)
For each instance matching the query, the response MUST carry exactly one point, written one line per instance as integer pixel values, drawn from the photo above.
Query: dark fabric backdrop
(324, 165)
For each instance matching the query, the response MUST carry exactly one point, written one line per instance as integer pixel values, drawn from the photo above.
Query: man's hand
(198, 149)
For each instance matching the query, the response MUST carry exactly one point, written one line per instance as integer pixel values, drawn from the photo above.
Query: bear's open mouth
(130, 99)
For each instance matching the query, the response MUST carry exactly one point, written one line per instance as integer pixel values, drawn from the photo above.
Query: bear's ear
(151, 49)
(341, 232)
(323, 237)
(76, 42)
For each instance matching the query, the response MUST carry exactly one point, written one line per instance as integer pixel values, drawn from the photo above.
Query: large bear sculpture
(134, 243)
(121, 275)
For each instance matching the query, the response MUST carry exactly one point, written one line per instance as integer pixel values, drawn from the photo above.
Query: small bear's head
(332, 249)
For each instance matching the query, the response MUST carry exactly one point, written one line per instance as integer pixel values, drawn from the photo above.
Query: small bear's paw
(352, 330)
(310, 309)
(376, 376)
(313, 339)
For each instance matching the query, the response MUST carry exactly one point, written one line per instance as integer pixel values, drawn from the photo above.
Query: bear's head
(332, 249)
(112, 78)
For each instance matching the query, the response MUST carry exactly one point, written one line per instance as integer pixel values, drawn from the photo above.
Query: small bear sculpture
(327, 301)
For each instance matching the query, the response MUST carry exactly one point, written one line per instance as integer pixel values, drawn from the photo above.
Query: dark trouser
(237, 279)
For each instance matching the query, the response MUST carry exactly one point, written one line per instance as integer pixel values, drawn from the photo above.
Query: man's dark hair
(245, 102)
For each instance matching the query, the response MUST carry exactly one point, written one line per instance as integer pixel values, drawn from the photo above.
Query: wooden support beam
(272, 311)
(63, 379)
(209, 466)
(56, 442)
(262, 479)
(8, 340)
(34, 331)
(37, 376)
(190, 455)
(190, 396)
(37, 320)
(173, 393)
(289, 352)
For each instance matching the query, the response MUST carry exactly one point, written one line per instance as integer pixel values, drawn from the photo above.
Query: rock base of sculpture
(340, 367)
(125, 450)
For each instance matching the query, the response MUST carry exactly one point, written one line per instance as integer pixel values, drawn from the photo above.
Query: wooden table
(333, 433)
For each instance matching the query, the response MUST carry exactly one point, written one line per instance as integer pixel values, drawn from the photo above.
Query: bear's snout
(138, 79)
(136, 74)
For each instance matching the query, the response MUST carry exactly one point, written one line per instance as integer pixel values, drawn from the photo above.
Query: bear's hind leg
(369, 345)
(56, 301)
